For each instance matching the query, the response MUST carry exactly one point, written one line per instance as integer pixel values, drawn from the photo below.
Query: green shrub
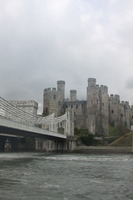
(113, 131)
(119, 130)
(80, 131)
(87, 139)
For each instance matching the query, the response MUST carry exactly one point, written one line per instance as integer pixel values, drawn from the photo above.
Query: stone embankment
(104, 149)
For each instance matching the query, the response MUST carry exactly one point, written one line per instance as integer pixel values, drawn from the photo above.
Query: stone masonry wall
(29, 106)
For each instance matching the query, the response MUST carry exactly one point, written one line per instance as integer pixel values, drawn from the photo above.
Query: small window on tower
(112, 111)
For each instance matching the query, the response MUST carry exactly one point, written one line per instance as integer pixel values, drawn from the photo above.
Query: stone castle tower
(120, 112)
(96, 113)
(97, 107)
(53, 99)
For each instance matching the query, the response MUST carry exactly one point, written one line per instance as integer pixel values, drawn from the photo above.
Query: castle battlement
(125, 103)
(114, 97)
(60, 82)
(122, 102)
(104, 88)
(53, 89)
(91, 82)
(49, 90)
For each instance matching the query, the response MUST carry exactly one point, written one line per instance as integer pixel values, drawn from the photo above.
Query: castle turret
(91, 82)
(120, 112)
(73, 95)
(104, 109)
(52, 99)
(114, 110)
(61, 89)
(97, 108)
(91, 93)
(125, 114)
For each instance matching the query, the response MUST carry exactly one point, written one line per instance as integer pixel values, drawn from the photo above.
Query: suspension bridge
(16, 122)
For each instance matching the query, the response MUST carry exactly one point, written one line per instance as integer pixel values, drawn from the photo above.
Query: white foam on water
(51, 186)
(96, 181)
(88, 158)
(11, 156)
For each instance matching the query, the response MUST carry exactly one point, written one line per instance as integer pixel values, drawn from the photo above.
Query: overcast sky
(42, 41)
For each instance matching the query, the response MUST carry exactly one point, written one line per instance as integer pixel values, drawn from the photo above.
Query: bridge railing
(12, 112)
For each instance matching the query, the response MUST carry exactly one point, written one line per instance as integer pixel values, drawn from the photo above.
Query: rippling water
(34, 176)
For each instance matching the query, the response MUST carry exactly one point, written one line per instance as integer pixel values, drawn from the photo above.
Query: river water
(41, 176)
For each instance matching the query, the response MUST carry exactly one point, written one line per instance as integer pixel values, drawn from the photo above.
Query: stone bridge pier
(9, 143)
(2, 143)
(64, 123)
(55, 145)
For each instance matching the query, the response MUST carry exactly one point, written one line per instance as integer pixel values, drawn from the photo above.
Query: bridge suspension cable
(12, 112)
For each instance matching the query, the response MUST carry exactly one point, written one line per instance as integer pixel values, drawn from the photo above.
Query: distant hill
(125, 140)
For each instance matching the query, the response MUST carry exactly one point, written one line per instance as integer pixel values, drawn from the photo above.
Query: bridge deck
(16, 128)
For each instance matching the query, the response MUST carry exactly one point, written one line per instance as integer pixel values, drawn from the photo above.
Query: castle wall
(79, 108)
(29, 106)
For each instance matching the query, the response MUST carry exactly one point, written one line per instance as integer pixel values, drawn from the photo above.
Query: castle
(96, 113)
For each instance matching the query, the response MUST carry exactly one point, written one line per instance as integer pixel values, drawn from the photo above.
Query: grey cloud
(129, 83)
(44, 42)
